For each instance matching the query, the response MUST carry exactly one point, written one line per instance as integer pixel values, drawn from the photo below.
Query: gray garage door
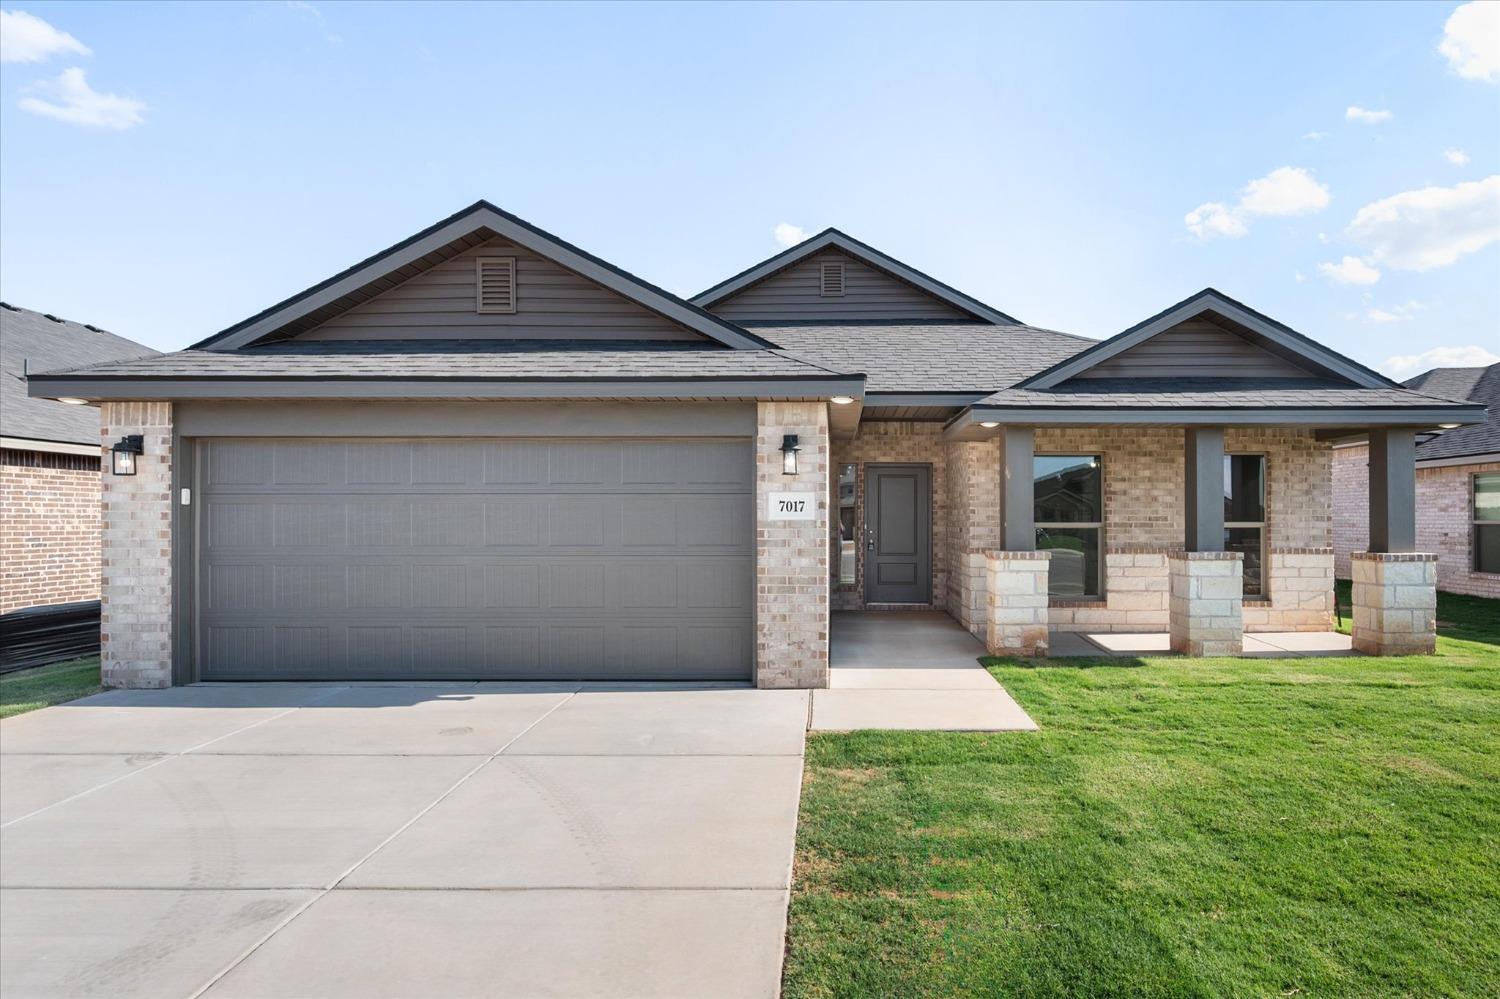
(475, 559)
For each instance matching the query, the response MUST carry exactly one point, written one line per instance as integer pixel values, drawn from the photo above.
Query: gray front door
(898, 534)
(492, 559)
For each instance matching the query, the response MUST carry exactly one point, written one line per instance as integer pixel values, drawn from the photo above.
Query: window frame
(1037, 525)
(1265, 513)
(1475, 523)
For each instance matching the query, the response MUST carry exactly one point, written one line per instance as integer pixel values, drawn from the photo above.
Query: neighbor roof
(1480, 385)
(928, 357)
(445, 239)
(37, 341)
(861, 251)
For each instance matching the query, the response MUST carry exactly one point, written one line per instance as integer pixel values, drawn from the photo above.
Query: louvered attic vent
(495, 280)
(832, 285)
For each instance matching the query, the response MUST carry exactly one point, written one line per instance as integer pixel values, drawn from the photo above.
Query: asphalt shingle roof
(1479, 385)
(1208, 393)
(464, 360)
(30, 340)
(933, 357)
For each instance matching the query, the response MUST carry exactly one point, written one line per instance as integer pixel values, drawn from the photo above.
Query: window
(844, 571)
(1068, 504)
(1245, 516)
(1487, 523)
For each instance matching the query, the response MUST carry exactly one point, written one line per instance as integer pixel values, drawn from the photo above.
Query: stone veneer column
(792, 575)
(1016, 603)
(1206, 608)
(1395, 603)
(136, 563)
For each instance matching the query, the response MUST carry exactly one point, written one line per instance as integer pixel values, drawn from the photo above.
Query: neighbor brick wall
(792, 557)
(136, 583)
(49, 529)
(1143, 510)
(1444, 508)
(896, 442)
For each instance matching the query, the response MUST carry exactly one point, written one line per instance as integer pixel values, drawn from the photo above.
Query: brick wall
(136, 568)
(49, 529)
(792, 557)
(897, 442)
(973, 505)
(1143, 522)
(1444, 506)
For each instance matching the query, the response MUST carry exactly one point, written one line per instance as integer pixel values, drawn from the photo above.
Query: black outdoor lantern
(789, 451)
(122, 455)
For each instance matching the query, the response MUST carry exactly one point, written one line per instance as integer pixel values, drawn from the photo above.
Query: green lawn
(1295, 827)
(29, 689)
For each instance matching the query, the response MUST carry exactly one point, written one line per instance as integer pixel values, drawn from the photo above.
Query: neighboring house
(484, 452)
(1458, 488)
(49, 463)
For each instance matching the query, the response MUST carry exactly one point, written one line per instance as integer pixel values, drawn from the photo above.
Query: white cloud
(1350, 270)
(1395, 314)
(69, 98)
(27, 38)
(1315, 136)
(312, 13)
(1299, 277)
(1406, 365)
(1471, 40)
(1367, 117)
(1456, 156)
(1431, 227)
(1283, 191)
(787, 234)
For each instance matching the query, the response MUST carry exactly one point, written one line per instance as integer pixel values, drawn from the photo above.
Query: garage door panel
(468, 559)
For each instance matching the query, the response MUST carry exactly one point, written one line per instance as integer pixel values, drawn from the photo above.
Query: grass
(1293, 827)
(40, 687)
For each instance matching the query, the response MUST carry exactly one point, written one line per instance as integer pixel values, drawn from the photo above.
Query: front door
(898, 534)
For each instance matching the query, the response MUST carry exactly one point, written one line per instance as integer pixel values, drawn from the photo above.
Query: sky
(168, 170)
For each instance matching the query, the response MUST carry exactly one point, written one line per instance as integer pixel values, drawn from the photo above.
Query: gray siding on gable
(551, 303)
(1197, 348)
(869, 295)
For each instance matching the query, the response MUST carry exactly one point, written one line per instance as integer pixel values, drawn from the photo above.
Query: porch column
(1015, 576)
(1206, 609)
(1395, 586)
(1018, 502)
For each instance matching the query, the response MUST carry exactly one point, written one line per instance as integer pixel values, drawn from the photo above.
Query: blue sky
(166, 170)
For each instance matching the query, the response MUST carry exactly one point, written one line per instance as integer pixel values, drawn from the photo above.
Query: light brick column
(1206, 609)
(1395, 603)
(136, 564)
(792, 575)
(972, 606)
(1016, 603)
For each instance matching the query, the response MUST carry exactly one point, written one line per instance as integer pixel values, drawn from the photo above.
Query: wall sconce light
(122, 455)
(789, 451)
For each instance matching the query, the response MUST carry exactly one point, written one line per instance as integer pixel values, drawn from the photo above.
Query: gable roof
(35, 341)
(1285, 339)
(447, 238)
(1480, 385)
(860, 251)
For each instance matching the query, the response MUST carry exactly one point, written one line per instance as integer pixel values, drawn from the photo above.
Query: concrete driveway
(386, 840)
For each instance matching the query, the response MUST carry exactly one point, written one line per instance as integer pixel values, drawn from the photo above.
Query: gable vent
(832, 282)
(495, 283)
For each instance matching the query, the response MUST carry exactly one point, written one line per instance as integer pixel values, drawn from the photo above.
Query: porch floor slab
(1257, 645)
(910, 670)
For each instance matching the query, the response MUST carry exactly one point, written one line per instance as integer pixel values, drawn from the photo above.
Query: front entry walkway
(910, 670)
(277, 840)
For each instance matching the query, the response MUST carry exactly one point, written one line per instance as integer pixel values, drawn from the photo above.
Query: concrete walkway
(386, 840)
(910, 670)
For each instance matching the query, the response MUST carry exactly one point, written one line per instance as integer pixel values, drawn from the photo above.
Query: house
(49, 479)
(1458, 488)
(485, 452)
